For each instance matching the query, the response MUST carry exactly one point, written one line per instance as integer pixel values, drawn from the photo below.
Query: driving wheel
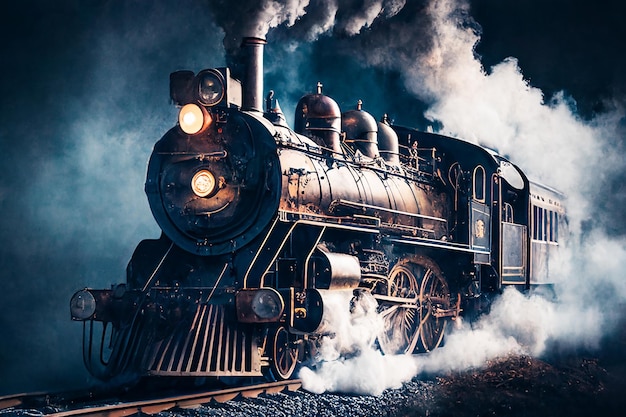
(413, 324)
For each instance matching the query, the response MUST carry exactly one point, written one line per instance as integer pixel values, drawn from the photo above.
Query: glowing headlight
(210, 87)
(193, 119)
(203, 183)
(82, 305)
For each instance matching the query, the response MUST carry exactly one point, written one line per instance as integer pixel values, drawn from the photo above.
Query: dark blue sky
(84, 96)
(571, 45)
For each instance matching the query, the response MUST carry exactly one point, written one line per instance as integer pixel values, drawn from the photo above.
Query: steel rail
(156, 405)
(14, 400)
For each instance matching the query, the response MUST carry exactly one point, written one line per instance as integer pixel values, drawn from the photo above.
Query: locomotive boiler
(261, 223)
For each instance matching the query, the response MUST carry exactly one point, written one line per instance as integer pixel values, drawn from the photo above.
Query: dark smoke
(336, 42)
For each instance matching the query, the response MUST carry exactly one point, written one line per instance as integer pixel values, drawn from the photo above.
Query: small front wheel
(283, 354)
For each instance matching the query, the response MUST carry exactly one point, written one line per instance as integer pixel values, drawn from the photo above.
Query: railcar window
(538, 220)
(554, 227)
(555, 235)
(479, 184)
(545, 225)
(534, 220)
(549, 221)
(542, 222)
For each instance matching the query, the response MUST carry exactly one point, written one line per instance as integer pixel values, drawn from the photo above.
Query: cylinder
(334, 271)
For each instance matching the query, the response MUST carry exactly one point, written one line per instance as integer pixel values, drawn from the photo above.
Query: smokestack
(253, 82)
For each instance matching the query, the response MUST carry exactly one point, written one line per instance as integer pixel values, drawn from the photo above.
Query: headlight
(210, 87)
(267, 304)
(203, 183)
(259, 306)
(193, 119)
(82, 305)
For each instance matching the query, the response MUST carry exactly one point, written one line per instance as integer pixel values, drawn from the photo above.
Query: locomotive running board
(414, 241)
(364, 207)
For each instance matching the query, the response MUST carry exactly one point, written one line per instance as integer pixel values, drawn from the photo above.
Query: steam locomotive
(262, 223)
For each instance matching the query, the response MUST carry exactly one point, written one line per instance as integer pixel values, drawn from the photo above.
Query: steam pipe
(253, 82)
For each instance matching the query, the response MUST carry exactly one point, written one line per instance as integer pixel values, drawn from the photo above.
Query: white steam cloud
(347, 360)
(501, 110)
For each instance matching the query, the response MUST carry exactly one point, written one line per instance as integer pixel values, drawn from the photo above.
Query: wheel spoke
(400, 322)
(283, 354)
(434, 294)
(413, 326)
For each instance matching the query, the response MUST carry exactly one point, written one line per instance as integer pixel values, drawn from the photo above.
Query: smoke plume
(347, 360)
(432, 44)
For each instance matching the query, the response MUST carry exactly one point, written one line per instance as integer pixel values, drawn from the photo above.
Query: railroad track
(145, 406)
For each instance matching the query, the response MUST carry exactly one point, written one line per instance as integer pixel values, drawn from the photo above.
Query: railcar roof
(452, 142)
